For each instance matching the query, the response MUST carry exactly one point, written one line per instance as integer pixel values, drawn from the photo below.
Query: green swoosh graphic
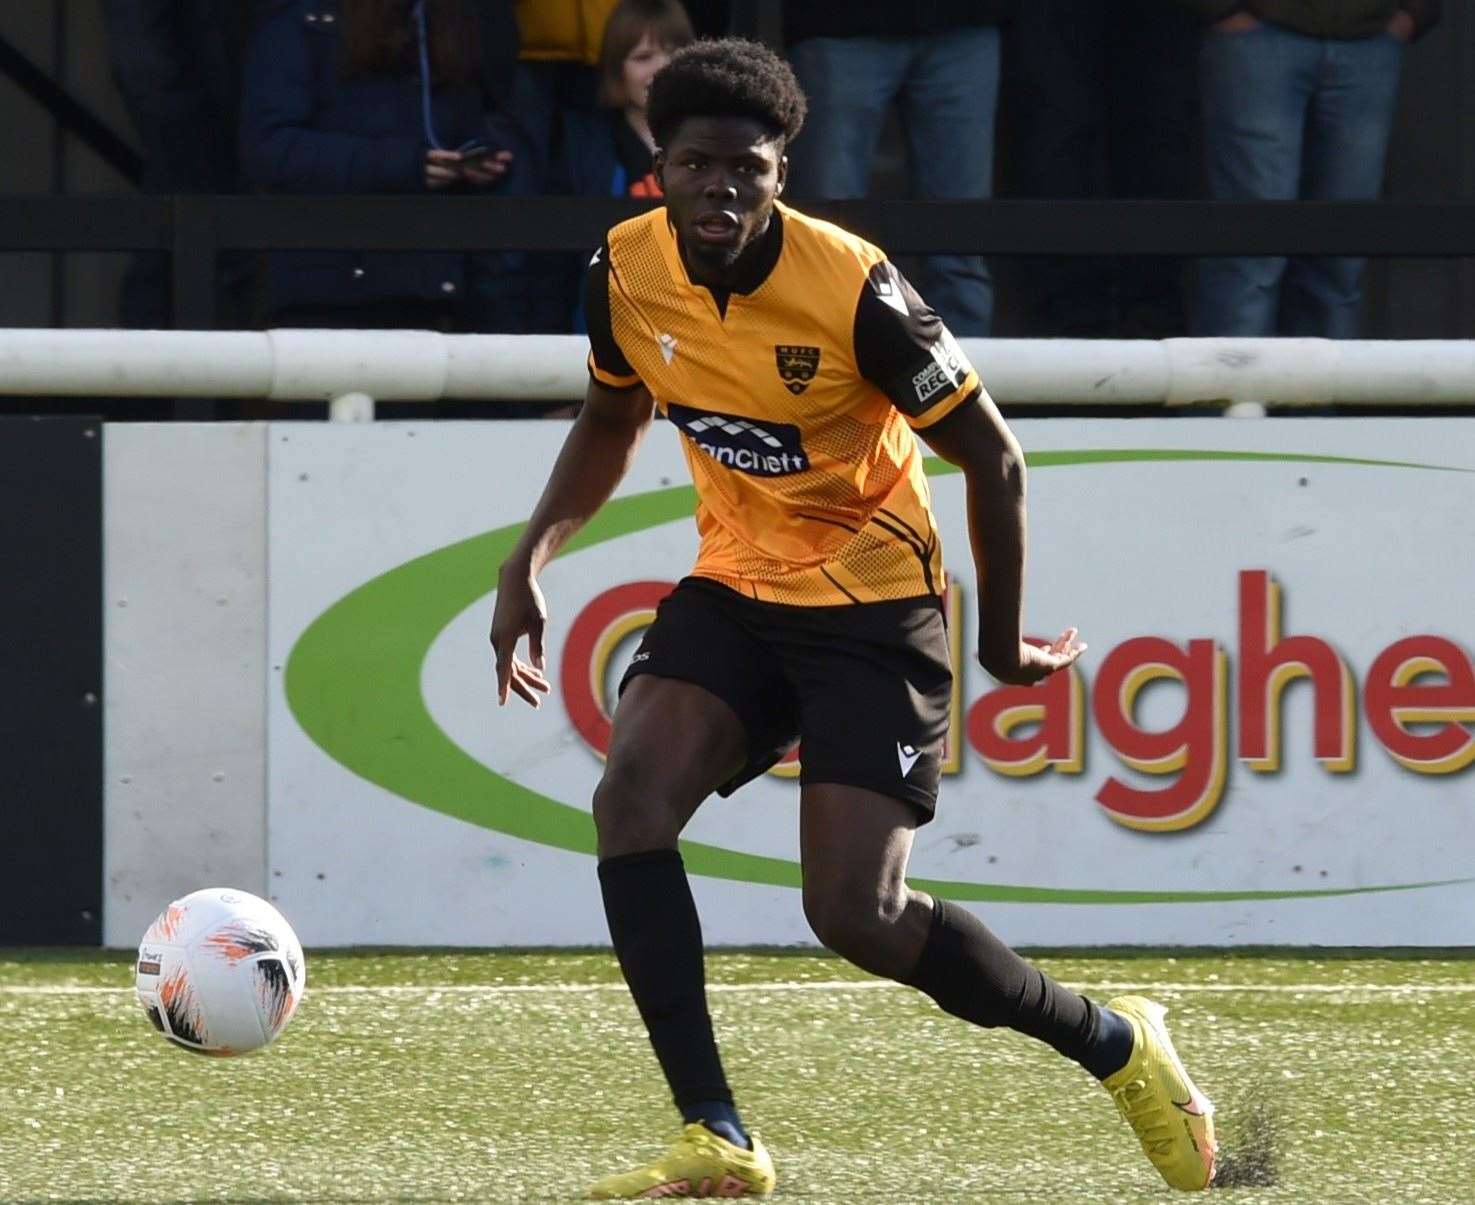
(352, 682)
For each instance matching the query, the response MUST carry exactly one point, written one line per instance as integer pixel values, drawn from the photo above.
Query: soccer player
(796, 362)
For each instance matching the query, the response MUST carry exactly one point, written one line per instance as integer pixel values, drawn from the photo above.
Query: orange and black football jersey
(795, 396)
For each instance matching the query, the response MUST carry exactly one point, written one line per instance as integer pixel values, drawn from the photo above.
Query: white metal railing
(351, 369)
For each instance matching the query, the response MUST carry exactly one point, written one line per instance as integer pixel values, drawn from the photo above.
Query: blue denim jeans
(946, 87)
(1290, 117)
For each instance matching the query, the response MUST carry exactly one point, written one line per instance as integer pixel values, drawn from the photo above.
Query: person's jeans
(946, 87)
(1291, 117)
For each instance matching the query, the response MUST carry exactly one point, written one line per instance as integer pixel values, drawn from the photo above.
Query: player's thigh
(691, 704)
(672, 743)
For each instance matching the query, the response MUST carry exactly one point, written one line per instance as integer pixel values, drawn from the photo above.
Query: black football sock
(1114, 1040)
(658, 940)
(971, 974)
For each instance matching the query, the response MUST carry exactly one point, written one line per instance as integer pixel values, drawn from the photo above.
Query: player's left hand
(1036, 661)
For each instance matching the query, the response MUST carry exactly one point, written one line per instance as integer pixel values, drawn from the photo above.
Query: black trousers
(1099, 101)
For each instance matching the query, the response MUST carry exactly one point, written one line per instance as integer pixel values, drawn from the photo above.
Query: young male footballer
(797, 362)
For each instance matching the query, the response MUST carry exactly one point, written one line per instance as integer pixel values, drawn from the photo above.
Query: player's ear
(658, 167)
(783, 175)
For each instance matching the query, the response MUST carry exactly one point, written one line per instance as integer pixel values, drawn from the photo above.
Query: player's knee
(854, 924)
(630, 815)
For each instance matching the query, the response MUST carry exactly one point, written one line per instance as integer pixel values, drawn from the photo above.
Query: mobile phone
(471, 152)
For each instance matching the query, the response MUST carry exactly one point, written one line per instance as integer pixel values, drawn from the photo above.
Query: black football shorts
(864, 688)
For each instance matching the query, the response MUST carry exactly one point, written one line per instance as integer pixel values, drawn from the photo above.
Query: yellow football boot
(1172, 1119)
(699, 1164)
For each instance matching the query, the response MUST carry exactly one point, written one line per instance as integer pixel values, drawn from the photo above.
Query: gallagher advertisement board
(1269, 740)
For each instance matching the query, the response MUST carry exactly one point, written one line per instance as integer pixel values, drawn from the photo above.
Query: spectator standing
(1298, 104)
(611, 151)
(555, 73)
(938, 62)
(177, 68)
(377, 96)
(1098, 100)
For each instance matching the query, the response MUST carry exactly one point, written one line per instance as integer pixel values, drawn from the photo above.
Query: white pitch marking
(818, 985)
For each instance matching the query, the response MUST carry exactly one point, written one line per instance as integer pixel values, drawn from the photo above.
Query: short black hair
(725, 77)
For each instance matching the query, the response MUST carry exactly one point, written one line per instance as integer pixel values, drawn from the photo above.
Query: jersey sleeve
(903, 348)
(607, 363)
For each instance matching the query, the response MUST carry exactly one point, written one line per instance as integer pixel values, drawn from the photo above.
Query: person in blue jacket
(376, 97)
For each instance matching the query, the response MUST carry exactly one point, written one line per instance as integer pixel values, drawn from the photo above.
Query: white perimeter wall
(212, 778)
(184, 585)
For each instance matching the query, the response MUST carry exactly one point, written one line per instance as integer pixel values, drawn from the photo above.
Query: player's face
(720, 176)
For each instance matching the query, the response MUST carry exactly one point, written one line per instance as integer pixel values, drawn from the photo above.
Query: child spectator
(376, 96)
(1298, 103)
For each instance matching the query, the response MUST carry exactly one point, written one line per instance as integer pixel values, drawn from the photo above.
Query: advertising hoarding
(1268, 741)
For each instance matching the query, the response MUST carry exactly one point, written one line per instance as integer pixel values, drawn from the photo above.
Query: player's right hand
(519, 612)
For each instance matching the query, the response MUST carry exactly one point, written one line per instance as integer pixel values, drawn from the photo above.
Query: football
(220, 972)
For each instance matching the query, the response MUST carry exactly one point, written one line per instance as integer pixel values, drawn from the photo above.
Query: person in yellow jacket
(563, 31)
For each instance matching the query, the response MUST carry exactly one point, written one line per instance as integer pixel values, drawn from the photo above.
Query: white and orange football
(220, 972)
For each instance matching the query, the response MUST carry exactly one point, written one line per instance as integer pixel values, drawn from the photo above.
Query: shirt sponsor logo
(762, 449)
(796, 366)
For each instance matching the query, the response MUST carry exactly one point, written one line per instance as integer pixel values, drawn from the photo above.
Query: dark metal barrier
(51, 703)
(196, 229)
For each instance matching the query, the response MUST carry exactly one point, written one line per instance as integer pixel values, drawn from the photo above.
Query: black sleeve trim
(902, 346)
(631, 388)
(606, 353)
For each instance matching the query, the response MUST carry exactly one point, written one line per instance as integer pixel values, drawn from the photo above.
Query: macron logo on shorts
(763, 449)
(906, 756)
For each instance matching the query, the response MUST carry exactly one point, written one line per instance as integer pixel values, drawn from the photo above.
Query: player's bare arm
(976, 439)
(594, 459)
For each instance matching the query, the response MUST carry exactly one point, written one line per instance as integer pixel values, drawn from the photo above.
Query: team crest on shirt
(796, 366)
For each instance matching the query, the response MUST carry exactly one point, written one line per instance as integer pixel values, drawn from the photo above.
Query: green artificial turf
(521, 1076)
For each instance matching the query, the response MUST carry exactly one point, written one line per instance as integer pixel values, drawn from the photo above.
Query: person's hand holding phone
(482, 166)
(474, 164)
